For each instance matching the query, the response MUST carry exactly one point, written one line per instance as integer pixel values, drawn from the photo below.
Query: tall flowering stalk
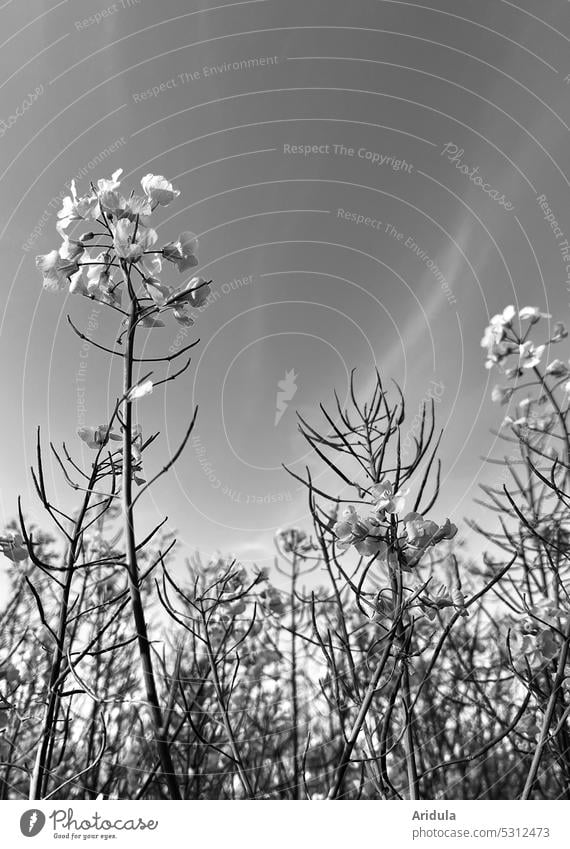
(534, 503)
(361, 444)
(116, 263)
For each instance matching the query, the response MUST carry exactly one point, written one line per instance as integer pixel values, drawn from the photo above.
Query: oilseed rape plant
(116, 262)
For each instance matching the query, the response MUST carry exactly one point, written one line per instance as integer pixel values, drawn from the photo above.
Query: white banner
(340, 825)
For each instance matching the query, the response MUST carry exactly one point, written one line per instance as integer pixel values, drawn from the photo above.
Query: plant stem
(41, 770)
(294, 692)
(358, 723)
(409, 744)
(236, 756)
(548, 718)
(132, 568)
(374, 768)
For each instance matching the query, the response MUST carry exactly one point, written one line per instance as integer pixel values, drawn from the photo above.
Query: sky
(318, 147)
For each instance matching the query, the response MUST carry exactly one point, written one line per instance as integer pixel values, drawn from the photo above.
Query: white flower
(503, 319)
(151, 268)
(158, 190)
(152, 265)
(100, 284)
(195, 293)
(140, 390)
(158, 291)
(136, 207)
(77, 286)
(182, 317)
(131, 239)
(364, 534)
(557, 368)
(97, 273)
(495, 331)
(433, 599)
(386, 500)
(506, 316)
(56, 270)
(109, 198)
(12, 546)
(494, 337)
(494, 334)
(530, 355)
(74, 208)
(422, 532)
(532, 314)
(501, 395)
(182, 252)
(70, 249)
(95, 436)
(198, 291)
